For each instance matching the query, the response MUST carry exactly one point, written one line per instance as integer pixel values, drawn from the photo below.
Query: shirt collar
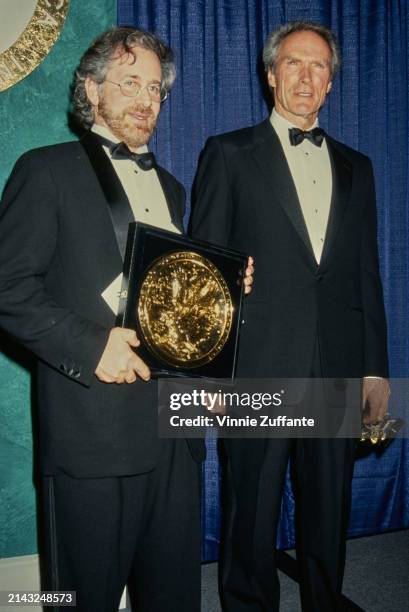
(282, 125)
(105, 133)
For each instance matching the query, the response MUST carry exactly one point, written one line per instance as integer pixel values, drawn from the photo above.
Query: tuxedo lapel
(341, 189)
(270, 159)
(117, 201)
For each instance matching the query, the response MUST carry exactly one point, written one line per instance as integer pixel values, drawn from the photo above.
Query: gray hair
(274, 40)
(95, 62)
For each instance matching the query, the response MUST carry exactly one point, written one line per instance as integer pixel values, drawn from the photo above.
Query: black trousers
(255, 473)
(322, 470)
(145, 530)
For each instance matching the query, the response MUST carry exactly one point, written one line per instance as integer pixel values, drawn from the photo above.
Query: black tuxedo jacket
(245, 199)
(58, 252)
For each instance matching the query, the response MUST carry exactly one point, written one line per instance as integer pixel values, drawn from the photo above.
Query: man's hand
(119, 363)
(248, 278)
(375, 397)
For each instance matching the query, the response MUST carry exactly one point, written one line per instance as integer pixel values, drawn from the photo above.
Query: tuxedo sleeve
(212, 198)
(29, 230)
(375, 334)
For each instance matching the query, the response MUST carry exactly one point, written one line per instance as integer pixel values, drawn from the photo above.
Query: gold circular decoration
(185, 309)
(35, 42)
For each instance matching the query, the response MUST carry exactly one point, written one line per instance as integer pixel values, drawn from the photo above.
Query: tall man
(117, 501)
(303, 205)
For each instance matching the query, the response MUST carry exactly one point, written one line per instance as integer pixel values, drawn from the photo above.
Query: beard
(132, 132)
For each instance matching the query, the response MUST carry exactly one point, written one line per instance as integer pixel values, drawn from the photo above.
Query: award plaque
(183, 298)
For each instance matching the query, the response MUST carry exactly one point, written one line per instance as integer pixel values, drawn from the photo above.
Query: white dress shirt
(310, 168)
(142, 187)
(147, 200)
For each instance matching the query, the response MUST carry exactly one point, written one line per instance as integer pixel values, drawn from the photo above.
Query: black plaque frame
(147, 243)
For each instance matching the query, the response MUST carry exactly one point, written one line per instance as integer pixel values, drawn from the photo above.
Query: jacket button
(320, 278)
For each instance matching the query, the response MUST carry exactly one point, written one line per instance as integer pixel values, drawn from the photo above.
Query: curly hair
(274, 40)
(95, 61)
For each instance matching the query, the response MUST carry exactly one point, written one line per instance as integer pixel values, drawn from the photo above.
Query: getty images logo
(206, 399)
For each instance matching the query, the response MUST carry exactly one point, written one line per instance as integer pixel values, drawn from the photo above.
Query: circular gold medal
(28, 31)
(185, 309)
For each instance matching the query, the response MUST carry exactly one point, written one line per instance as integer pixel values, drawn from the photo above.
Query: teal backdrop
(34, 113)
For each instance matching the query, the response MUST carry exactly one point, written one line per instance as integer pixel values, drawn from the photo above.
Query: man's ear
(271, 78)
(91, 87)
(329, 87)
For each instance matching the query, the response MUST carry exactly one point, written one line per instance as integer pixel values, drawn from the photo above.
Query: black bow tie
(119, 150)
(316, 136)
(145, 161)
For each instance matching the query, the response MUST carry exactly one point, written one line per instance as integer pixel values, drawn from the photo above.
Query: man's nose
(305, 74)
(144, 98)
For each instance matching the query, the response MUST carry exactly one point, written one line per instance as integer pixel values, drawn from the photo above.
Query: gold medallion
(29, 29)
(185, 309)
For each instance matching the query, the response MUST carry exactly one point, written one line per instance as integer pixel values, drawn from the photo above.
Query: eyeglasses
(131, 89)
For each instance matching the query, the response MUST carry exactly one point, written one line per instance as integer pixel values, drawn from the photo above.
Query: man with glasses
(118, 503)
